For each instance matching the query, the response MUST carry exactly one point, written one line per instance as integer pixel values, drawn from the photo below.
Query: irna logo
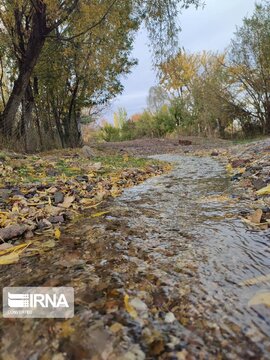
(38, 302)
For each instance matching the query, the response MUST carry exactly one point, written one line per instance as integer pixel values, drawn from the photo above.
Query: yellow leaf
(99, 214)
(229, 168)
(15, 208)
(241, 170)
(130, 309)
(116, 327)
(115, 191)
(260, 299)
(65, 329)
(256, 280)
(9, 258)
(256, 217)
(15, 248)
(264, 191)
(57, 233)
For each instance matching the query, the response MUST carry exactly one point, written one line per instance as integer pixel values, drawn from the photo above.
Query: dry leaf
(256, 280)
(229, 168)
(256, 217)
(57, 234)
(130, 309)
(116, 327)
(99, 214)
(14, 248)
(261, 298)
(9, 258)
(67, 202)
(264, 191)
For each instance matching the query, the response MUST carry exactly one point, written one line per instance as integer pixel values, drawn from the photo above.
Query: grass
(38, 169)
(121, 162)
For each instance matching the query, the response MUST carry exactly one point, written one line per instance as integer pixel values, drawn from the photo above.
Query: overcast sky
(210, 28)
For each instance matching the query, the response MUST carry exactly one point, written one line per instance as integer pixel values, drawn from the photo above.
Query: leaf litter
(42, 193)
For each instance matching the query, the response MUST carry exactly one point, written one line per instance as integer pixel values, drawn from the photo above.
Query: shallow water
(181, 212)
(176, 246)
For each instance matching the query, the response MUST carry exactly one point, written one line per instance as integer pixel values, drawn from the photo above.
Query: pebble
(169, 318)
(138, 304)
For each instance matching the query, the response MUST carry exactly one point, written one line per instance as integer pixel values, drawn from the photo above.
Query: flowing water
(192, 215)
(197, 276)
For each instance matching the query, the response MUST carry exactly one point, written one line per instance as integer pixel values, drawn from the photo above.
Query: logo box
(38, 302)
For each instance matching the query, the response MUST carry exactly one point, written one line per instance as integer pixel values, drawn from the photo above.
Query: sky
(208, 28)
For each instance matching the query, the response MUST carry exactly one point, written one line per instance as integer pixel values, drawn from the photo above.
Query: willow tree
(26, 27)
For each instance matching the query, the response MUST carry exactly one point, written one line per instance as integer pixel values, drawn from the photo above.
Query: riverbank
(41, 194)
(166, 270)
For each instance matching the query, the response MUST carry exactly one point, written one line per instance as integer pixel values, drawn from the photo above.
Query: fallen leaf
(9, 258)
(116, 327)
(256, 280)
(57, 233)
(130, 309)
(67, 202)
(49, 244)
(260, 299)
(256, 217)
(99, 214)
(264, 191)
(262, 226)
(229, 168)
(64, 329)
(14, 248)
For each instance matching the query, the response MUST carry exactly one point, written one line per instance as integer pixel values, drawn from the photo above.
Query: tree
(250, 66)
(27, 28)
(198, 84)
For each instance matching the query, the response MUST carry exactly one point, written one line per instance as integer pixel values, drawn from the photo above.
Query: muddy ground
(183, 144)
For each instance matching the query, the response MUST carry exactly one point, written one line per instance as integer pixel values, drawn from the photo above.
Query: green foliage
(56, 58)
(148, 125)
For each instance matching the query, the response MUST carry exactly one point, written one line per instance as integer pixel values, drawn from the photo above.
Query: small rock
(258, 184)
(51, 172)
(134, 353)
(28, 235)
(214, 153)
(97, 166)
(185, 142)
(44, 224)
(56, 219)
(5, 246)
(239, 163)
(58, 197)
(5, 193)
(82, 178)
(138, 304)
(58, 356)
(89, 188)
(169, 318)
(88, 152)
(12, 231)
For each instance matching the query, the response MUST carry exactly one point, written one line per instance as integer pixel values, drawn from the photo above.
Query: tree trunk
(28, 62)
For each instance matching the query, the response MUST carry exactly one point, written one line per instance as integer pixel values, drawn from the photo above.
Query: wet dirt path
(174, 245)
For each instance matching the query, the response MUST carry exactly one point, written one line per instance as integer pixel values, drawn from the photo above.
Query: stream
(170, 272)
(191, 215)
